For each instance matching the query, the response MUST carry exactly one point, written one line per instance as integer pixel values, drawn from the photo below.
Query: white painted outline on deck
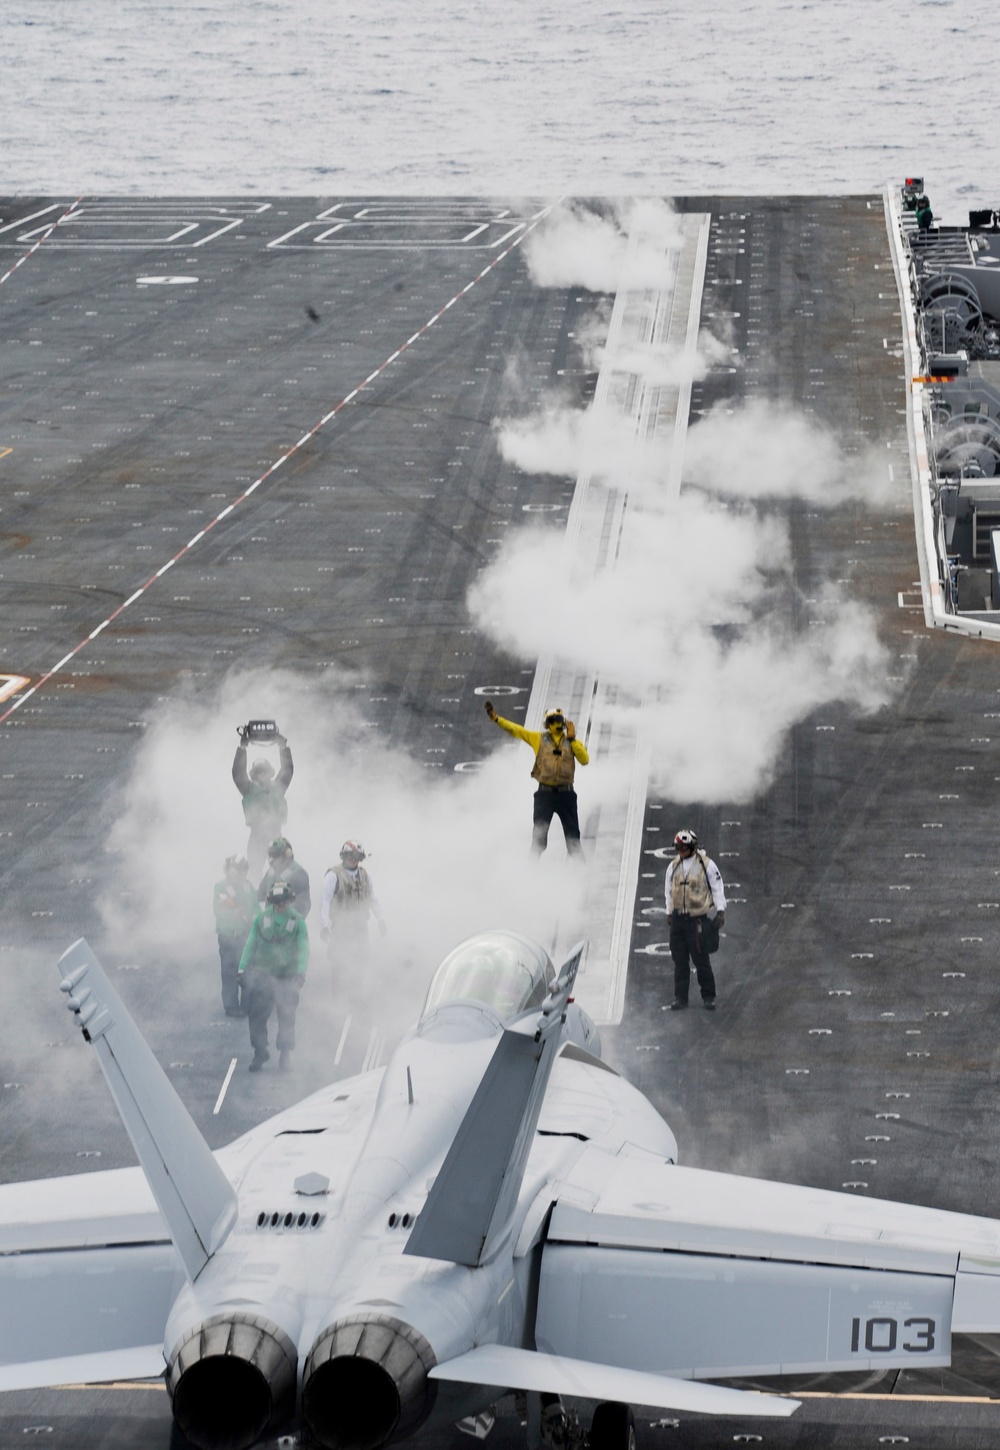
(268, 473)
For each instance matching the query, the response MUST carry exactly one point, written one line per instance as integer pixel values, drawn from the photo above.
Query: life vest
(555, 764)
(691, 894)
(276, 948)
(265, 805)
(354, 889)
(272, 929)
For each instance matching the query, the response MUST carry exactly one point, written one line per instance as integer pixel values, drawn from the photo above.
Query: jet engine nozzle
(229, 1379)
(365, 1383)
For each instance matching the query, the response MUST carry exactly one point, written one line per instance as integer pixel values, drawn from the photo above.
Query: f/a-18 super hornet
(495, 1210)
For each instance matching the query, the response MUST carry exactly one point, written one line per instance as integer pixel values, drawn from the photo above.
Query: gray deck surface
(135, 413)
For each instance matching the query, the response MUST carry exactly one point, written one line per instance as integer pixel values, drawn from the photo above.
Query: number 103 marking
(881, 1335)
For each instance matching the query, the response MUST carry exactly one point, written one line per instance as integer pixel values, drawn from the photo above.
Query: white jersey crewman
(694, 894)
(347, 902)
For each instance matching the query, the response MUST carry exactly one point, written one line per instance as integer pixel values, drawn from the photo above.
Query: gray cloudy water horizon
(299, 97)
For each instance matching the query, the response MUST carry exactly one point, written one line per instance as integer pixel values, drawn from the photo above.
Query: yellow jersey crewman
(557, 751)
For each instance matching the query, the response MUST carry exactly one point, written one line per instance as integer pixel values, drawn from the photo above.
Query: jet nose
(365, 1382)
(230, 1378)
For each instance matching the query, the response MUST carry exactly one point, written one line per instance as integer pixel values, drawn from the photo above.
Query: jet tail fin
(475, 1192)
(196, 1199)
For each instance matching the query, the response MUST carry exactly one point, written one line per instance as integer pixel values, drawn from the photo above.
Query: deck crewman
(557, 753)
(282, 866)
(347, 902)
(273, 966)
(264, 806)
(696, 905)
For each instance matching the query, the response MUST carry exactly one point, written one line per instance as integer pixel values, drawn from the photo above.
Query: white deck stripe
(225, 1086)
(343, 1038)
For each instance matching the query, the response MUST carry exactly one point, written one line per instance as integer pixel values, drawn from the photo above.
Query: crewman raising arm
(557, 751)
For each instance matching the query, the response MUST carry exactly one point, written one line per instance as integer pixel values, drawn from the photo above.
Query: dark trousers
(685, 948)
(230, 951)
(265, 993)
(555, 801)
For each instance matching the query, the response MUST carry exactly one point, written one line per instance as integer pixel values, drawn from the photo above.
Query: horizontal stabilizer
(476, 1190)
(144, 1362)
(524, 1369)
(193, 1194)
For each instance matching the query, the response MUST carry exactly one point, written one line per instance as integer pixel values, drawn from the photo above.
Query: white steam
(664, 364)
(577, 247)
(448, 852)
(766, 451)
(692, 620)
(566, 441)
(684, 569)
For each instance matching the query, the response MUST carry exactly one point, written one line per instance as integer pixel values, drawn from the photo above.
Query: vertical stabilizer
(194, 1196)
(476, 1190)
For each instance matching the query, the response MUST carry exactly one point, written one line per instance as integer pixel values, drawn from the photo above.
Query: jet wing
(524, 1369)
(710, 1275)
(87, 1277)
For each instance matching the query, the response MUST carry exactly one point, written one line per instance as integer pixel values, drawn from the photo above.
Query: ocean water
(527, 97)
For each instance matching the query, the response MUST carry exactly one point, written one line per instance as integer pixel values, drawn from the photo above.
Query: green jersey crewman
(273, 966)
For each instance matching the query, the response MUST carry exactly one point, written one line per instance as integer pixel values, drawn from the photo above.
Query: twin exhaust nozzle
(233, 1377)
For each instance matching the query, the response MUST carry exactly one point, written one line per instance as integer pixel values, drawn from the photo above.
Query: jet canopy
(501, 969)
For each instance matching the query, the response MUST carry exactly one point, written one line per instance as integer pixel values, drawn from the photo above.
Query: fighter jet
(497, 1209)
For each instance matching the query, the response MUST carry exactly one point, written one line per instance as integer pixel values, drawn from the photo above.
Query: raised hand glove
(488, 707)
(570, 730)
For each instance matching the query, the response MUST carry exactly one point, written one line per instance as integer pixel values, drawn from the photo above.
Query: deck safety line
(43, 238)
(268, 472)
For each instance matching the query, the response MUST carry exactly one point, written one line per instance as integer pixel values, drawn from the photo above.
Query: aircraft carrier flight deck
(259, 435)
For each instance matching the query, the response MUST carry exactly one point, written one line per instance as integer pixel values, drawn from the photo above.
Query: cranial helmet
(280, 894)
(279, 847)
(353, 850)
(262, 770)
(240, 862)
(554, 716)
(685, 838)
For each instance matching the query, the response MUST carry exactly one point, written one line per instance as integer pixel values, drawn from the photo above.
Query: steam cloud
(766, 451)
(718, 701)
(448, 852)
(578, 247)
